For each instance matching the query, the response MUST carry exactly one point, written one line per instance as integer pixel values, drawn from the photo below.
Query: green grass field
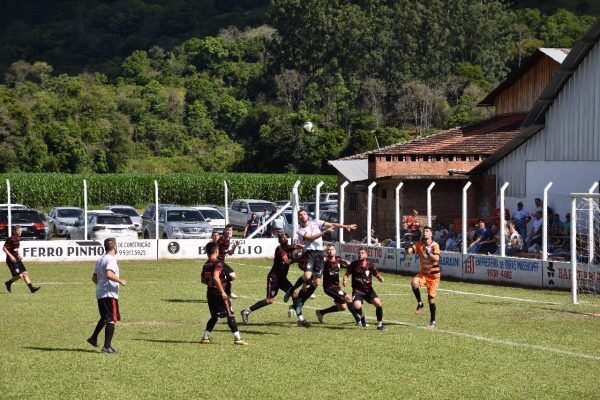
(491, 342)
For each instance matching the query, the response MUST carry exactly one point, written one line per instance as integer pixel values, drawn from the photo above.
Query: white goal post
(585, 226)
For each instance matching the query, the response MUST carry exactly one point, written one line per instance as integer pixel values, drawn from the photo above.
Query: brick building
(446, 158)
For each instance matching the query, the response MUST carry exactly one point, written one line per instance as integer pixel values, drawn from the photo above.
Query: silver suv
(176, 222)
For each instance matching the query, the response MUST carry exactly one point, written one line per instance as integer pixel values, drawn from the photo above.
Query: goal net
(585, 245)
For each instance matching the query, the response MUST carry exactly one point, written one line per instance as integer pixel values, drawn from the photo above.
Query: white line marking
(504, 342)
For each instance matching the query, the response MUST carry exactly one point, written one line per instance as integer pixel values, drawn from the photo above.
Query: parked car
(311, 206)
(44, 219)
(330, 216)
(29, 219)
(4, 206)
(327, 197)
(176, 222)
(281, 203)
(288, 226)
(102, 224)
(213, 216)
(61, 219)
(241, 210)
(130, 212)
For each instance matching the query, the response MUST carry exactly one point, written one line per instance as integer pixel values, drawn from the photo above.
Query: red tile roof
(483, 138)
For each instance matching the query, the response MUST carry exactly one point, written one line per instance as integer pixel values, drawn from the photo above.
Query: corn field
(43, 191)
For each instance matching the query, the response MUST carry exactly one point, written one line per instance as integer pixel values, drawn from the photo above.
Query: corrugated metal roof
(353, 170)
(557, 54)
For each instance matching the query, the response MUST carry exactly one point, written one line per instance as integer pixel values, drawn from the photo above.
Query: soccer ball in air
(308, 127)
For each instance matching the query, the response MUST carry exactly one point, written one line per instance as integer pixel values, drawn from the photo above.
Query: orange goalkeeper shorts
(423, 280)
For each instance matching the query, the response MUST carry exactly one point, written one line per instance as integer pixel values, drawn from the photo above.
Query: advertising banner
(557, 275)
(506, 270)
(82, 250)
(195, 248)
(384, 258)
(451, 264)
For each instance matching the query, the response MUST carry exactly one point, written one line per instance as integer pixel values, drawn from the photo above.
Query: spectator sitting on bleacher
(514, 241)
(534, 240)
(481, 234)
(452, 242)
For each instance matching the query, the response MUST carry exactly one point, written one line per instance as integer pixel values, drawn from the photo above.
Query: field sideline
(491, 342)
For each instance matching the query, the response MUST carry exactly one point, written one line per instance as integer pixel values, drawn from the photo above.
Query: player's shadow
(168, 341)
(249, 332)
(60, 349)
(199, 301)
(557, 310)
(272, 324)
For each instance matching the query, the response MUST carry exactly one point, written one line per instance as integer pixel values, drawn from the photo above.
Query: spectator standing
(521, 218)
(251, 225)
(265, 231)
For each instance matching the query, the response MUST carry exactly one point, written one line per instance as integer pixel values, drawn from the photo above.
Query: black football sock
(417, 293)
(432, 309)
(379, 313)
(353, 311)
(363, 319)
(210, 325)
(258, 304)
(99, 327)
(109, 331)
(298, 283)
(232, 324)
(329, 310)
(307, 293)
(30, 285)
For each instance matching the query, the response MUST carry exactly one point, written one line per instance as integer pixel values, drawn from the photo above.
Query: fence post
(591, 238)
(369, 211)
(226, 190)
(574, 249)
(502, 220)
(341, 210)
(295, 208)
(464, 217)
(429, 203)
(318, 200)
(398, 238)
(85, 210)
(156, 209)
(545, 223)
(9, 211)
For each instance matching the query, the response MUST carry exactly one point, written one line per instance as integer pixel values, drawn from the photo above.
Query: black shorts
(312, 260)
(219, 307)
(361, 296)
(228, 270)
(274, 283)
(16, 268)
(109, 309)
(336, 293)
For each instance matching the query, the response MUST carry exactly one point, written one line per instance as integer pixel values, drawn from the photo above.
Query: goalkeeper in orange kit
(429, 254)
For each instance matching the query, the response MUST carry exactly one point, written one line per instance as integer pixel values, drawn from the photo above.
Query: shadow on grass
(60, 349)
(557, 310)
(247, 332)
(185, 301)
(168, 341)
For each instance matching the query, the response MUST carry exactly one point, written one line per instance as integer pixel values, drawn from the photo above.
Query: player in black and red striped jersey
(331, 285)
(362, 272)
(224, 243)
(14, 261)
(277, 276)
(214, 277)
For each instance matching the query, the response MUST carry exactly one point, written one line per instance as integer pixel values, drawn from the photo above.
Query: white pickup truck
(241, 210)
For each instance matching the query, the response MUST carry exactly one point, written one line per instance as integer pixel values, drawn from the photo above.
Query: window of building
(388, 158)
(384, 193)
(464, 158)
(353, 201)
(414, 158)
(439, 158)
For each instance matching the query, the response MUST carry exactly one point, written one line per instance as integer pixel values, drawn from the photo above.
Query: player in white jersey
(310, 235)
(107, 281)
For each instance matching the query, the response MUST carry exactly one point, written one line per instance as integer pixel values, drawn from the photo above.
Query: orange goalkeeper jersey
(430, 268)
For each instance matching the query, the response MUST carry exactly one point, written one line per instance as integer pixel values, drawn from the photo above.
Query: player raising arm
(362, 272)
(277, 276)
(429, 254)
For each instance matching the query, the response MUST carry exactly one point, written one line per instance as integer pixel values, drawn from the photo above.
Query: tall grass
(44, 191)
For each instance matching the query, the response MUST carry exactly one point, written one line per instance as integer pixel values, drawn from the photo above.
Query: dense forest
(190, 86)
